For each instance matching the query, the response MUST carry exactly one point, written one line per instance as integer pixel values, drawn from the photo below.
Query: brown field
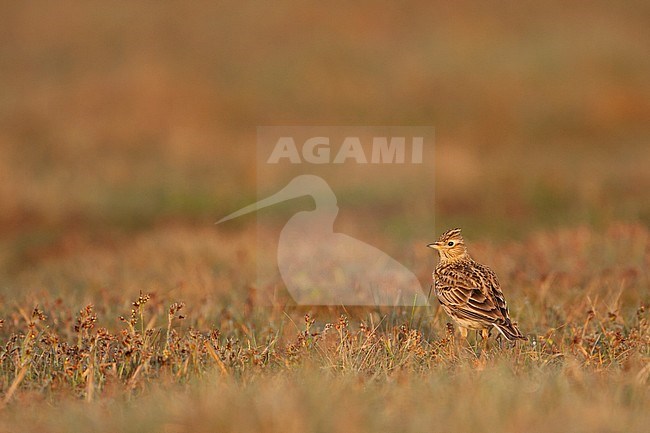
(126, 132)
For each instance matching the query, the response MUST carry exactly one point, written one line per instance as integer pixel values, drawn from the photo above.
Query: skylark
(468, 291)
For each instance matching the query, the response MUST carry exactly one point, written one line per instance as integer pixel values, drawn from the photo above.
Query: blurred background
(127, 130)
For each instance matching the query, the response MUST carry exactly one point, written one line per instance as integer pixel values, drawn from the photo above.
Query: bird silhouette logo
(321, 267)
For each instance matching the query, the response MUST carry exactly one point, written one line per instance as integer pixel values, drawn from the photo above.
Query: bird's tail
(510, 330)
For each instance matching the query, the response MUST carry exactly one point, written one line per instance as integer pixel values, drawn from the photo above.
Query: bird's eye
(450, 243)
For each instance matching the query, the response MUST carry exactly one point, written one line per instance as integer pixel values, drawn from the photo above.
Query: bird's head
(450, 245)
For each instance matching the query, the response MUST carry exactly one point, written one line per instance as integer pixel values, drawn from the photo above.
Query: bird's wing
(492, 288)
(472, 296)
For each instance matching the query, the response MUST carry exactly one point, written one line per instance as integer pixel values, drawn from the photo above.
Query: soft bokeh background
(120, 121)
(130, 124)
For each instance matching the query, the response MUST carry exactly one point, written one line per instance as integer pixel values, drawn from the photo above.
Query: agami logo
(318, 150)
(317, 262)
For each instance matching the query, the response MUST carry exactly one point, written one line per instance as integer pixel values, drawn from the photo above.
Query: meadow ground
(96, 358)
(125, 133)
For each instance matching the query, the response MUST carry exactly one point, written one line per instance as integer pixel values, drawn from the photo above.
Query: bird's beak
(435, 245)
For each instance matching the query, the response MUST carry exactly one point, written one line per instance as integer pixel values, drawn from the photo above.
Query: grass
(183, 361)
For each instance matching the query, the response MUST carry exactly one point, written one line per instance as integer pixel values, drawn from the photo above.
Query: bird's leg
(463, 341)
(476, 341)
(500, 340)
(485, 334)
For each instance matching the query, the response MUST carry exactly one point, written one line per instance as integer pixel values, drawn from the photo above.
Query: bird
(322, 267)
(468, 291)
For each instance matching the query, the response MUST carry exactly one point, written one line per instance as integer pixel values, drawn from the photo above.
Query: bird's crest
(453, 234)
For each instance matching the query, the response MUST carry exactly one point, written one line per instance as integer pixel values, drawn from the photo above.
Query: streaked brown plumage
(468, 291)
